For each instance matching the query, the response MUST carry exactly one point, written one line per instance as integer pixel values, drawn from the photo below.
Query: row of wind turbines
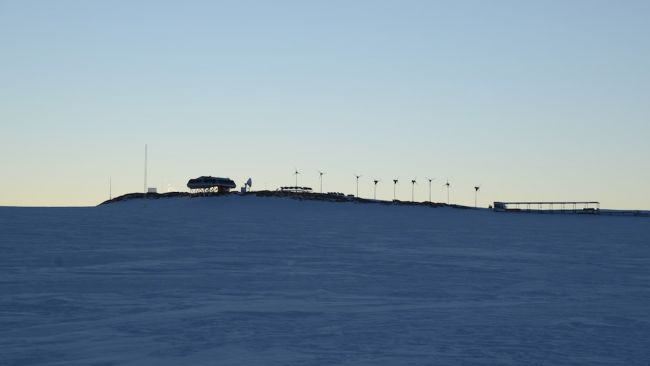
(395, 182)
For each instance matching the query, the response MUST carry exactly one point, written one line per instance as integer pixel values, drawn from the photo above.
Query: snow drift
(274, 281)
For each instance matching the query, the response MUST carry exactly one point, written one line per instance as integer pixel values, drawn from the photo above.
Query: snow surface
(275, 281)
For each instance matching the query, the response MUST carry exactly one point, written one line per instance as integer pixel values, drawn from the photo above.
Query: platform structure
(207, 184)
(577, 207)
(296, 189)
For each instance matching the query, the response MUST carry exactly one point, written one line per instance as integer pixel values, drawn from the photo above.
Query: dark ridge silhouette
(312, 196)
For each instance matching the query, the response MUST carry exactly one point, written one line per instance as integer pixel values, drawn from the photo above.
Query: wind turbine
(413, 182)
(447, 184)
(321, 181)
(296, 174)
(476, 188)
(430, 180)
(376, 181)
(394, 185)
(358, 176)
(395, 181)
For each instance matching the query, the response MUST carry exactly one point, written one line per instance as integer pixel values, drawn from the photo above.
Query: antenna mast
(145, 168)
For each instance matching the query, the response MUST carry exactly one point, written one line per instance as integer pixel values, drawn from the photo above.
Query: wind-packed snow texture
(270, 281)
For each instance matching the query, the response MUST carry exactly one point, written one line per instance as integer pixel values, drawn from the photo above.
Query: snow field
(249, 280)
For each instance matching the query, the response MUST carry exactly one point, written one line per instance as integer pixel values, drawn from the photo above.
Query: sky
(532, 100)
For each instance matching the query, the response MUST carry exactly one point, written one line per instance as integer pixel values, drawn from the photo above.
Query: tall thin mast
(145, 168)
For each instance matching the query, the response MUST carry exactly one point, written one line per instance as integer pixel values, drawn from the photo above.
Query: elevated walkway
(548, 206)
(564, 207)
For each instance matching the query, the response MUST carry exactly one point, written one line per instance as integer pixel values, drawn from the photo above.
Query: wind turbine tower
(476, 188)
(394, 185)
(430, 180)
(357, 176)
(447, 184)
(413, 182)
(375, 192)
(321, 181)
(296, 174)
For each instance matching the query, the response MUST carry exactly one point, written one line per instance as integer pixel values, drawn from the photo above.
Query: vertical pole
(321, 183)
(447, 194)
(357, 187)
(412, 192)
(394, 185)
(429, 191)
(145, 168)
(475, 198)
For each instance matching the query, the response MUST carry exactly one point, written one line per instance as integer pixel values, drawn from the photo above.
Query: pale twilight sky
(534, 100)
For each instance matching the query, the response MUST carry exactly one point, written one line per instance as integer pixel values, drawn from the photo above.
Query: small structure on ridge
(211, 184)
